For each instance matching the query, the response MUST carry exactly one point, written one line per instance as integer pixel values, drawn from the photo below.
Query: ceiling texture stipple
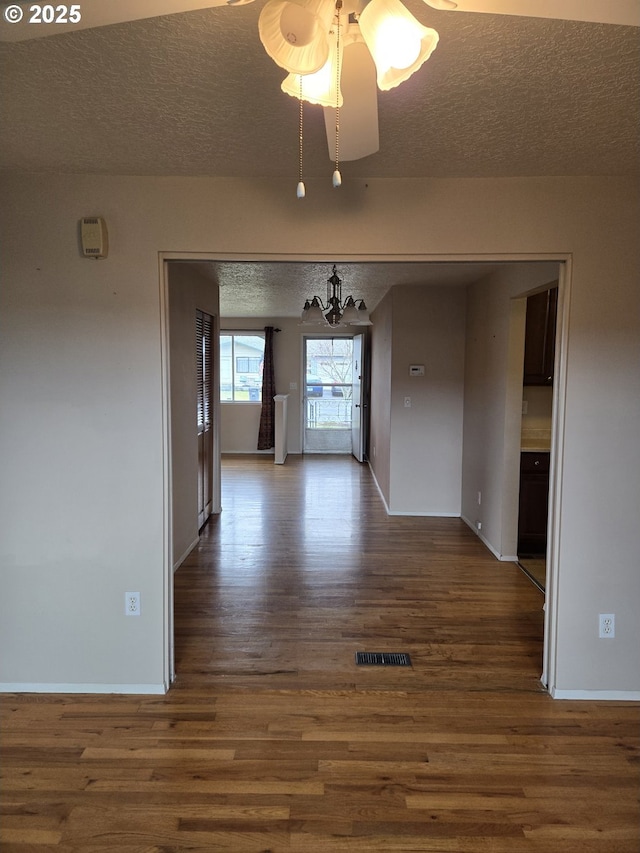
(195, 94)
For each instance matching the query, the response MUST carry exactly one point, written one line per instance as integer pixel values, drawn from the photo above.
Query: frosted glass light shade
(319, 88)
(295, 33)
(350, 313)
(398, 43)
(363, 315)
(313, 315)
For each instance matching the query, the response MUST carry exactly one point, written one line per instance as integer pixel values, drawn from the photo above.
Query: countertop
(535, 441)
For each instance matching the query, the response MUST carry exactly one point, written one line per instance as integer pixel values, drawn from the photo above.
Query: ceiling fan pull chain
(337, 177)
(300, 189)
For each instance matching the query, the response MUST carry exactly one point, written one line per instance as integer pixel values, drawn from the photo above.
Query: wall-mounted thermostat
(416, 370)
(95, 239)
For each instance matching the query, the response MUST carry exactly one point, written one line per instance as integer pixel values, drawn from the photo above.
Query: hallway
(304, 567)
(273, 740)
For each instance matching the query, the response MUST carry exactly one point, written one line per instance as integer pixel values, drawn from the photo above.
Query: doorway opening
(512, 444)
(537, 422)
(332, 403)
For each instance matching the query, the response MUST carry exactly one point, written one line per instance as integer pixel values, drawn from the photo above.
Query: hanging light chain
(300, 190)
(337, 177)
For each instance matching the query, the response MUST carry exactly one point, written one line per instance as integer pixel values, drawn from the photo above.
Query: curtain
(266, 434)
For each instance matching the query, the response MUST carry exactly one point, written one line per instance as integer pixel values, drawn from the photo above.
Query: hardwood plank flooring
(273, 740)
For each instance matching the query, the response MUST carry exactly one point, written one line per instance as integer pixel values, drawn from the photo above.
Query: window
(241, 362)
(244, 364)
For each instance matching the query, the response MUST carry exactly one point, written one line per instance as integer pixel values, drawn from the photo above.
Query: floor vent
(382, 659)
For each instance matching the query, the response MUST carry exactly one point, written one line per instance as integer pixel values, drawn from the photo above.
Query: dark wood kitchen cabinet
(540, 337)
(534, 503)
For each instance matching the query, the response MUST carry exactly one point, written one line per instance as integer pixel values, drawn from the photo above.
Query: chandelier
(351, 312)
(307, 38)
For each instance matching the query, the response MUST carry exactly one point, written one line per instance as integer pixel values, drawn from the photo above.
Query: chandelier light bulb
(399, 44)
(321, 87)
(397, 41)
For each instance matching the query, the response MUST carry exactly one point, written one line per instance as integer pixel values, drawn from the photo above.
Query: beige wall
(418, 455)
(493, 401)
(83, 501)
(426, 439)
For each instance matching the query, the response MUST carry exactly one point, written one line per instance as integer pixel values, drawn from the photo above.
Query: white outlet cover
(132, 603)
(607, 626)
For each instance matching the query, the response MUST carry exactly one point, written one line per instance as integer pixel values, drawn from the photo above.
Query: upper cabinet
(540, 337)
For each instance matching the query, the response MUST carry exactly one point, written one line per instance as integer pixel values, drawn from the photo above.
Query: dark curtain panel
(266, 434)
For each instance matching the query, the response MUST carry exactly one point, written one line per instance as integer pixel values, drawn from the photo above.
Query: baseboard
(129, 689)
(408, 514)
(270, 452)
(377, 485)
(504, 558)
(184, 556)
(597, 695)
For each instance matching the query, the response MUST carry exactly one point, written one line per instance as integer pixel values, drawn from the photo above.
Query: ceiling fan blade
(359, 111)
(625, 12)
(95, 13)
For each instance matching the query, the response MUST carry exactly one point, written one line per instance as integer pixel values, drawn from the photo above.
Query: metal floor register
(382, 659)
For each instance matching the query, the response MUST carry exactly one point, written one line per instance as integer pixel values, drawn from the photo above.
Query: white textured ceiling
(195, 94)
(279, 289)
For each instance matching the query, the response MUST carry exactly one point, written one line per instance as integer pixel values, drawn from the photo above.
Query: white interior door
(357, 404)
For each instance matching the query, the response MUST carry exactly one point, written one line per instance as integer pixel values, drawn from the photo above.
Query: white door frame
(557, 445)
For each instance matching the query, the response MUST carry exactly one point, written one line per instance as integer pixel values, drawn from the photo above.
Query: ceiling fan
(295, 33)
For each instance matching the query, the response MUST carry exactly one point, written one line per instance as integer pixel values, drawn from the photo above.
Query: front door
(333, 410)
(357, 405)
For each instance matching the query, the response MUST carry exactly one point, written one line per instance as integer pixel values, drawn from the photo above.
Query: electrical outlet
(132, 603)
(479, 525)
(479, 498)
(607, 626)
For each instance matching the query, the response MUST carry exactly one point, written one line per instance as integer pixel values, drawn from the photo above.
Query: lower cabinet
(534, 503)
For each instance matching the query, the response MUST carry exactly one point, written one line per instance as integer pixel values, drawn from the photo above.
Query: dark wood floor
(273, 740)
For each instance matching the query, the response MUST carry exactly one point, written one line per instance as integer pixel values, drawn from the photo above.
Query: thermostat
(95, 239)
(416, 370)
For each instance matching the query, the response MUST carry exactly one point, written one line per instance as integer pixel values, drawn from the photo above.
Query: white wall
(189, 291)
(82, 508)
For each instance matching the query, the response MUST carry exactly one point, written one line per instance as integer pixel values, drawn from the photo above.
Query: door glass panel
(327, 395)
